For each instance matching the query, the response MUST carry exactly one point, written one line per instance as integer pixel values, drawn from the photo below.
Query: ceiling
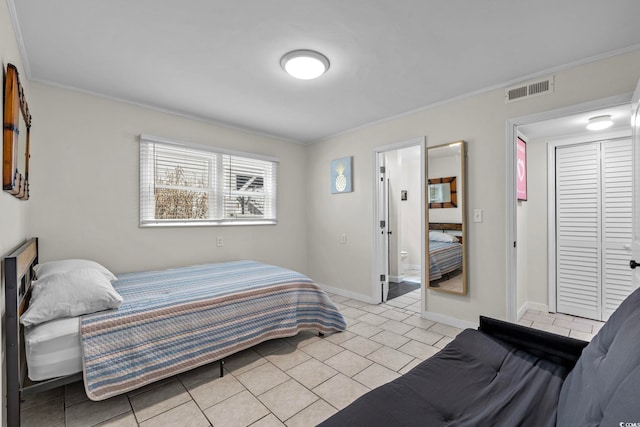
(220, 60)
(576, 124)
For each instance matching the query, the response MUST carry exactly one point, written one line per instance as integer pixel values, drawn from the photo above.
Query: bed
(445, 255)
(166, 322)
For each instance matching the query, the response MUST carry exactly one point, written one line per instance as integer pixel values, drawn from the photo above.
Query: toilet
(404, 260)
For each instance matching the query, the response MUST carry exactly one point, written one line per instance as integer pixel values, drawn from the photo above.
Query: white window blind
(185, 184)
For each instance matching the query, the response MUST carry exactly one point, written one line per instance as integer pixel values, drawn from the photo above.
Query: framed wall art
(521, 170)
(341, 178)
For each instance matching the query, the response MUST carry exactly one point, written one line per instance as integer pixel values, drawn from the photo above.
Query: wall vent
(528, 90)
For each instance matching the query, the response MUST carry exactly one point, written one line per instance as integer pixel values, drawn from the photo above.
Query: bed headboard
(18, 273)
(445, 226)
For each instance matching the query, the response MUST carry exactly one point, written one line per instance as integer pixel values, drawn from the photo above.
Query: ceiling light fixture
(304, 64)
(600, 122)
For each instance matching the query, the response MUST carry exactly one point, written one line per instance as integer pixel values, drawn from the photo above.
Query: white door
(594, 227)
(617, 220)
(578, 239)
(635, 245)
(383, 231)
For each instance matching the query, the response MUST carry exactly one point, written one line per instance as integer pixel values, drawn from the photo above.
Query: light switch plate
(477, 215)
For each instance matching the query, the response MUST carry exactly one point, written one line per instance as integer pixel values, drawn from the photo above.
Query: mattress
(444, 258)
(175, 320)
(53, 349)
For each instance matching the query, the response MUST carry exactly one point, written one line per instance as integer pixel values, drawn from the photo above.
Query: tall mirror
(16, 137)
(446, 258)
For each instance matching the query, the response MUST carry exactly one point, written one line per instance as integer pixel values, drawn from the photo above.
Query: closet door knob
(633, 264)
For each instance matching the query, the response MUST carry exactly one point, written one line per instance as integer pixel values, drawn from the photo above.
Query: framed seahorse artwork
(341, 180)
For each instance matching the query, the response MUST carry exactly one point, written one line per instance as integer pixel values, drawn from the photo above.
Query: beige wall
(532, 233)
(85, 177)
(522, 219)
(442, 167)
(13, 223)
(410, 212)
(403, 171)
(535, 229)
(480, 120)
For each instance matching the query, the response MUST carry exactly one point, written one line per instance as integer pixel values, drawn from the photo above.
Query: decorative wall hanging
(341, 181)
(521, 169)
(16, 137)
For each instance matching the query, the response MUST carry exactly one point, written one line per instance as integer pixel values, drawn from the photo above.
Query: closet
(593, 227)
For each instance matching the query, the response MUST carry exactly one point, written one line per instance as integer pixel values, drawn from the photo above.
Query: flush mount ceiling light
(600, 122)
(304, 64)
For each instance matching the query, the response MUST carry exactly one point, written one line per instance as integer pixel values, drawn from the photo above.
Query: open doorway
(399, 222)
(538, 230)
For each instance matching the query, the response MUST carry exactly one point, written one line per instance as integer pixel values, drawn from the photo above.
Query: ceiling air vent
(528, 90)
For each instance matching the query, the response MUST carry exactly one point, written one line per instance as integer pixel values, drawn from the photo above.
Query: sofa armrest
(556, 348)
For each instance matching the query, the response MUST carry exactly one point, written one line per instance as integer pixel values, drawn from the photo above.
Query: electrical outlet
(219, 241)
(343, 238)
(477, 215)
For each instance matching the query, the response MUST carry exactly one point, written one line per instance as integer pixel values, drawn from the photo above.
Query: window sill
(154, 224)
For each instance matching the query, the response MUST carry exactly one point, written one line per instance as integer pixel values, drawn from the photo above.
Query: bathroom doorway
(399, 197)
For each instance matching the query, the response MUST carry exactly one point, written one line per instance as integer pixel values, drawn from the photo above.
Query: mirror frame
(14, 181)
(461, 198)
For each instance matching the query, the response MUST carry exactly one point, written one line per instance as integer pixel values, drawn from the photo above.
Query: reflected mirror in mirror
(439, 193)
(443, 192)
(446, 218)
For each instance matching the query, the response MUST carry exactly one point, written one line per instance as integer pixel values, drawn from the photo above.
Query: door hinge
(514, 244)
(383, 277)
(383, 224)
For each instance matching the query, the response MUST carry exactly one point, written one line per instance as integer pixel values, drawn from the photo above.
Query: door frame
(377, 246)
(635, 149)
(511, 135)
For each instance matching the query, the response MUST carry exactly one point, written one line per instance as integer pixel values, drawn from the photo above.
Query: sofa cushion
(604, 386)
(474, 381)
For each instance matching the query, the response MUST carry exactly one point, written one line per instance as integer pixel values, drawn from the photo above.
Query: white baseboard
(348, 294)
(532, 306)
(448, 320)
(521, 311)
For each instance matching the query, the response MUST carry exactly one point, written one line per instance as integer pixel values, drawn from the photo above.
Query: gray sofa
(508, 375)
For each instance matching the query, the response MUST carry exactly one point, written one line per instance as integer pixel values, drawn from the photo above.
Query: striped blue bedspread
(444, 258)
(174, 320)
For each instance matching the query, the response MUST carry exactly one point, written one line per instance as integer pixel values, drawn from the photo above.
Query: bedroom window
(184, 184)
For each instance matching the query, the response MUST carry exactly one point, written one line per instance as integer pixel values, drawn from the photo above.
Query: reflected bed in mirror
(446, 218)
(16, 137)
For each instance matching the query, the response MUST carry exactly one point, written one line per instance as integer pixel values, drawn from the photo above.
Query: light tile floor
(562, 324)
(297, 381)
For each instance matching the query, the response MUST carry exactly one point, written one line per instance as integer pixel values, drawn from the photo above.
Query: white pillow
(70, 294)
(436, 236)
(65, 265)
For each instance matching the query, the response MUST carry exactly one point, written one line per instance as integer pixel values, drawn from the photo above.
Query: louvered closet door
(578, 269)
(617, 281)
